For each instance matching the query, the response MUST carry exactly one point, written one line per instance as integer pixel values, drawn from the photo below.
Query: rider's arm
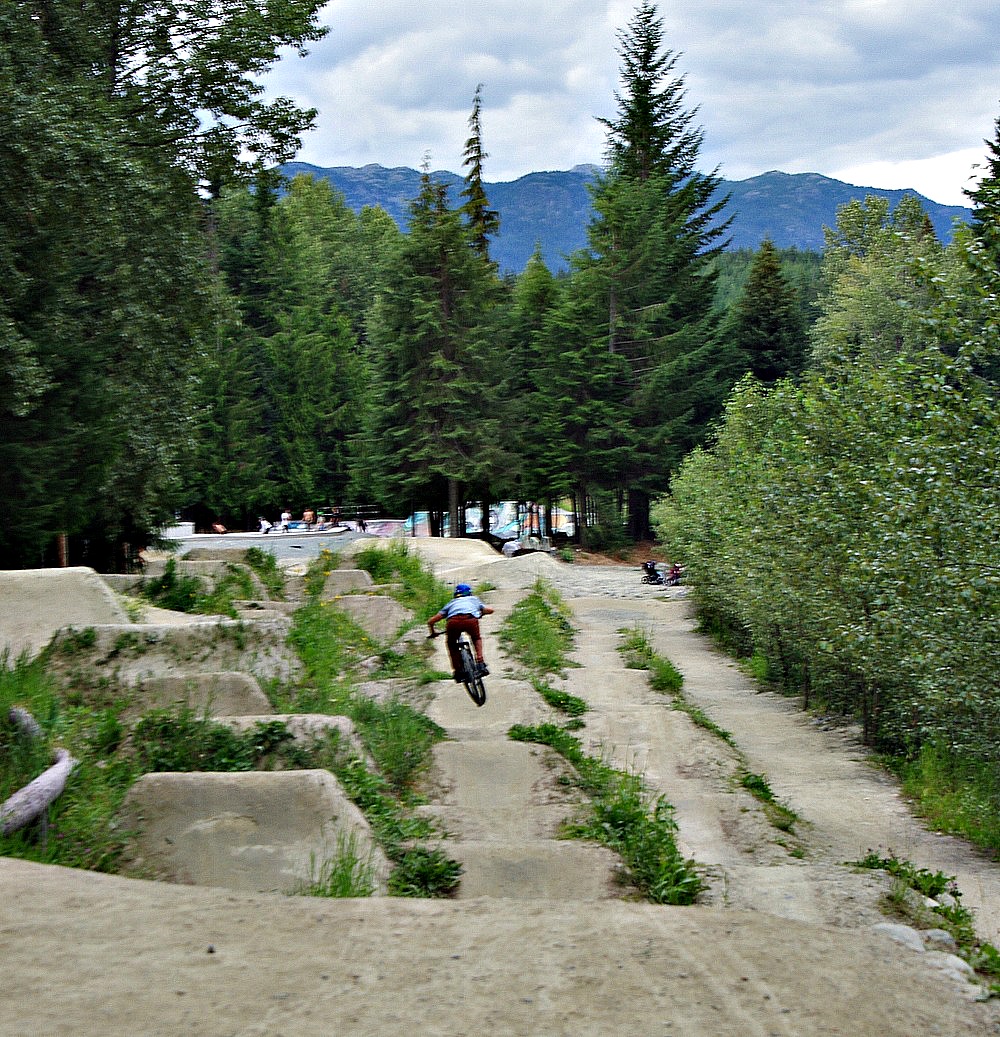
(436, 618)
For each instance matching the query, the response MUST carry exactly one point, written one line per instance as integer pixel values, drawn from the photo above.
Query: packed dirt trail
(542, 938)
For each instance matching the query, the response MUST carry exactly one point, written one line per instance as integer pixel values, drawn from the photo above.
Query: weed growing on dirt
(538, 632)
(625, 818)
(423, 872)
(949, 914)
(782, 817)
(345, 874)
(265, 565)
(665, 678)
(414, 586)
(571, 705)
(74, 642)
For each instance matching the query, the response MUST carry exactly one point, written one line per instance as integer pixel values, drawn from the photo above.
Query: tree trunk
(582, 519)
(33, 800)
(639, 525)
(454, 509)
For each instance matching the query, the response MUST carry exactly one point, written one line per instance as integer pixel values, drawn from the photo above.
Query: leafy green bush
(170, 591)
(838, 529)
(423, 872)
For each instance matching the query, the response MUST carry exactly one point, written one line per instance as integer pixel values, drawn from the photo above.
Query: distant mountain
(552, 209)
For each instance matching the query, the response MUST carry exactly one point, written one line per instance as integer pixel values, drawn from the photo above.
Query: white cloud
(894, 87)
(942, 177)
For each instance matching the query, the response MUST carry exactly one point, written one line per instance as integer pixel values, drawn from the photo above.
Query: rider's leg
(452, 630)
(477, 644)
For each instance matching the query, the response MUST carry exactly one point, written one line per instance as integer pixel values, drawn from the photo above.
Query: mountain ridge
(551, 208)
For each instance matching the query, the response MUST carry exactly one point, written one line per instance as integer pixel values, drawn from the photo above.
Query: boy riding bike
(462, 614)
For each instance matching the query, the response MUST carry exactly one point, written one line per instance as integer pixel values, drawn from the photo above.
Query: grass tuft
(538, 632)
(626, 819)
(345, 874)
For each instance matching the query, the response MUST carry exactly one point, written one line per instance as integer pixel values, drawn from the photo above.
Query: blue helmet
(462, 589)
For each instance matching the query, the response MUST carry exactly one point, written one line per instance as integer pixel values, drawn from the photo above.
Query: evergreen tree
(766, 325)
(583, 403)
(483, 221)
(656, 229)
(986, 200)
(528, 428)
(114, 116)
(432, 437)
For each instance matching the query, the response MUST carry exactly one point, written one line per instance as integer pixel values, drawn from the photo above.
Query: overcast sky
(878, 93)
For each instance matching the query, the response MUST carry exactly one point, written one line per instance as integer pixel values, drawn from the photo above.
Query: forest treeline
(183, 332)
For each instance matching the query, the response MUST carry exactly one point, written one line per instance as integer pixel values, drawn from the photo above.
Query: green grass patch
(958, 796)
(183, 593)
(538, 632)
(78, 831)
(639, 827)
(181, 740)
(330, 645)
(265, 565)
(345, 874)
(781, 816)
(566, 703)
(414, 586)
(950, 915)
(638, 653)
(399, 737)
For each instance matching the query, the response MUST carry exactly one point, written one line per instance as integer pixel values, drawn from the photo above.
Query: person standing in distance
(462, 614)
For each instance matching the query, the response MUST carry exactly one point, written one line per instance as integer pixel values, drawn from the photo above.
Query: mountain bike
(470, 677)
(470, 669)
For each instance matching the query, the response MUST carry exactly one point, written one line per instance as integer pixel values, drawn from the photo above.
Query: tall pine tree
(766, 325)
(483, 221)
(657, 225)
(433, 437)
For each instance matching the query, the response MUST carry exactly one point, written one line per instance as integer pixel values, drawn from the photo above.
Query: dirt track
(539, 941)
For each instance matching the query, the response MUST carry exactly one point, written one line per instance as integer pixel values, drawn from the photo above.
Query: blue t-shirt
(466, 605)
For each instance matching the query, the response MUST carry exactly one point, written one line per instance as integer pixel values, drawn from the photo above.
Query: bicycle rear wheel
(473, 682)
